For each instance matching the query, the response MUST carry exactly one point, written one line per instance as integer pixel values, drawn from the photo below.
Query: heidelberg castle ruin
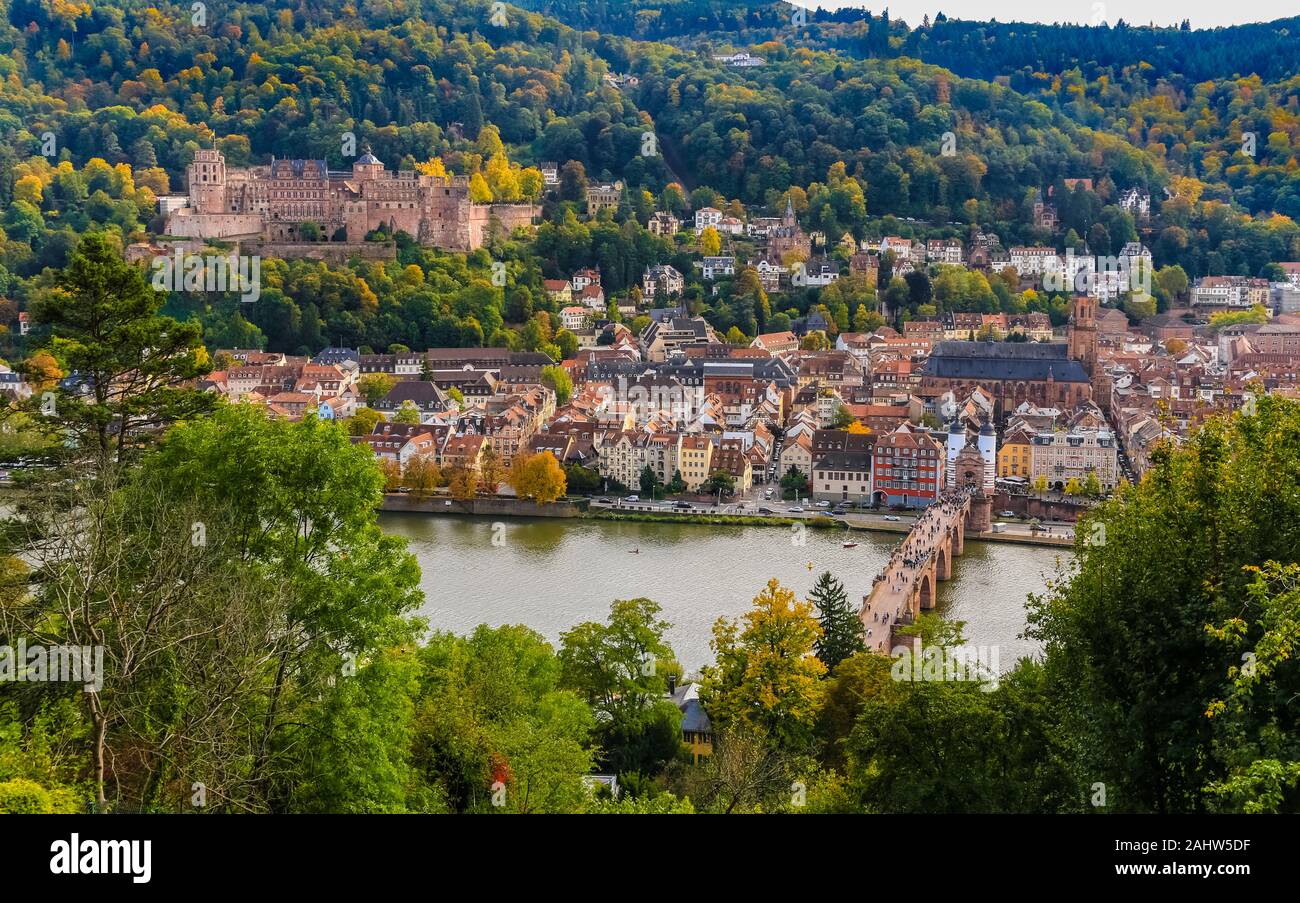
(271, 203)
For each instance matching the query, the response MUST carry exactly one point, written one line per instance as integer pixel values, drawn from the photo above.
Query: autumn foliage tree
(538, 478)
(422, 475)
(462, 483)
(767, 678)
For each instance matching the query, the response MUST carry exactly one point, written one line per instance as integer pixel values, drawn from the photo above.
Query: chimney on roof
(672, 684)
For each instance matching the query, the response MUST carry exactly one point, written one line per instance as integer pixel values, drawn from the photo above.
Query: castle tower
(367, 167)
(1083, 331)
(206, 177)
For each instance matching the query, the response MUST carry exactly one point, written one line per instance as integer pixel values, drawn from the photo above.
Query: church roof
(1028, 361)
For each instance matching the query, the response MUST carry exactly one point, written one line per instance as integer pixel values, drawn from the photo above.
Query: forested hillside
(1186, 96)
(103, 105)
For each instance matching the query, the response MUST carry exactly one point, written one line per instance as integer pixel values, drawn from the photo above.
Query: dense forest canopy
(1185, 95)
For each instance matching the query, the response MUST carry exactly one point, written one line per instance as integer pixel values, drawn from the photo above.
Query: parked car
(823, 504)
(1006, 514)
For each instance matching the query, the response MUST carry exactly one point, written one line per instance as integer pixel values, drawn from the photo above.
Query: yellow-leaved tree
(422, 475)
(432, 167)
(502, 181)
(538, 478)
(479, 192)
(710, 242)
(767, 678)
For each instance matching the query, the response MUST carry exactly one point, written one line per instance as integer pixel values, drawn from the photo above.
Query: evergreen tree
(135, 367)
(649, 482)
(841, 627)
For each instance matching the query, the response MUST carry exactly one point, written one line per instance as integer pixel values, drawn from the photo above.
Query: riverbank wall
(508, 507)
(485, 507)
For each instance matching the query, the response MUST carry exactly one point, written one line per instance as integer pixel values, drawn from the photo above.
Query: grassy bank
(730, 520)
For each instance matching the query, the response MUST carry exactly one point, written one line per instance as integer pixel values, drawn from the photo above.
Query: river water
(551, 574)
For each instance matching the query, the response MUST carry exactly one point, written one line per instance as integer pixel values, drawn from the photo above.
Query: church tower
(1083, 331)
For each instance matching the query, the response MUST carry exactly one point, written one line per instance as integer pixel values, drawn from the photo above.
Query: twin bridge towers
(907, 584)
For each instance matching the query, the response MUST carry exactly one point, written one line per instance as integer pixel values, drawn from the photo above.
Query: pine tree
(841, 627)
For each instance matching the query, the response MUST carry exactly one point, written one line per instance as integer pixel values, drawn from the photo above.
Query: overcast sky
(1136, 12)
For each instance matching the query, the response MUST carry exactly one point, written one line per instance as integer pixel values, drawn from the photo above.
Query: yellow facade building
(1014, 456)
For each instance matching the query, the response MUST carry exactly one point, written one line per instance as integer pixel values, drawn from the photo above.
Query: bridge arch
(943, 564)
(925, 593)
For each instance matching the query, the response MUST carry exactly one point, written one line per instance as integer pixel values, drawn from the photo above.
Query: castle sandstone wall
(214, 225)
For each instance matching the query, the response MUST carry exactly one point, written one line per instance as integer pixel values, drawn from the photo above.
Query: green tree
(408, 414)
(558, 380)
(793, 483)
(491, 718)
(226, 605)
(841, 634)
(364, 421)
(843, 418)
(618, 667)
(1092, 485)
(984, 751)
(719, 482)
(374, 386)
(650, 484)
(1136, 671)
(581, 480)
(1263, 763)
(135, 367)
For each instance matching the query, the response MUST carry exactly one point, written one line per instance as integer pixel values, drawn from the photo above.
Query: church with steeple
(1047, 375)
(788, 236)
(1083, 332)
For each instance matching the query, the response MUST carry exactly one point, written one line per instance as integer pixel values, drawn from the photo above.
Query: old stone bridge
(908, 584)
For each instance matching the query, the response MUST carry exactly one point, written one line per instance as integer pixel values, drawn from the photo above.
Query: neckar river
(553, 574)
